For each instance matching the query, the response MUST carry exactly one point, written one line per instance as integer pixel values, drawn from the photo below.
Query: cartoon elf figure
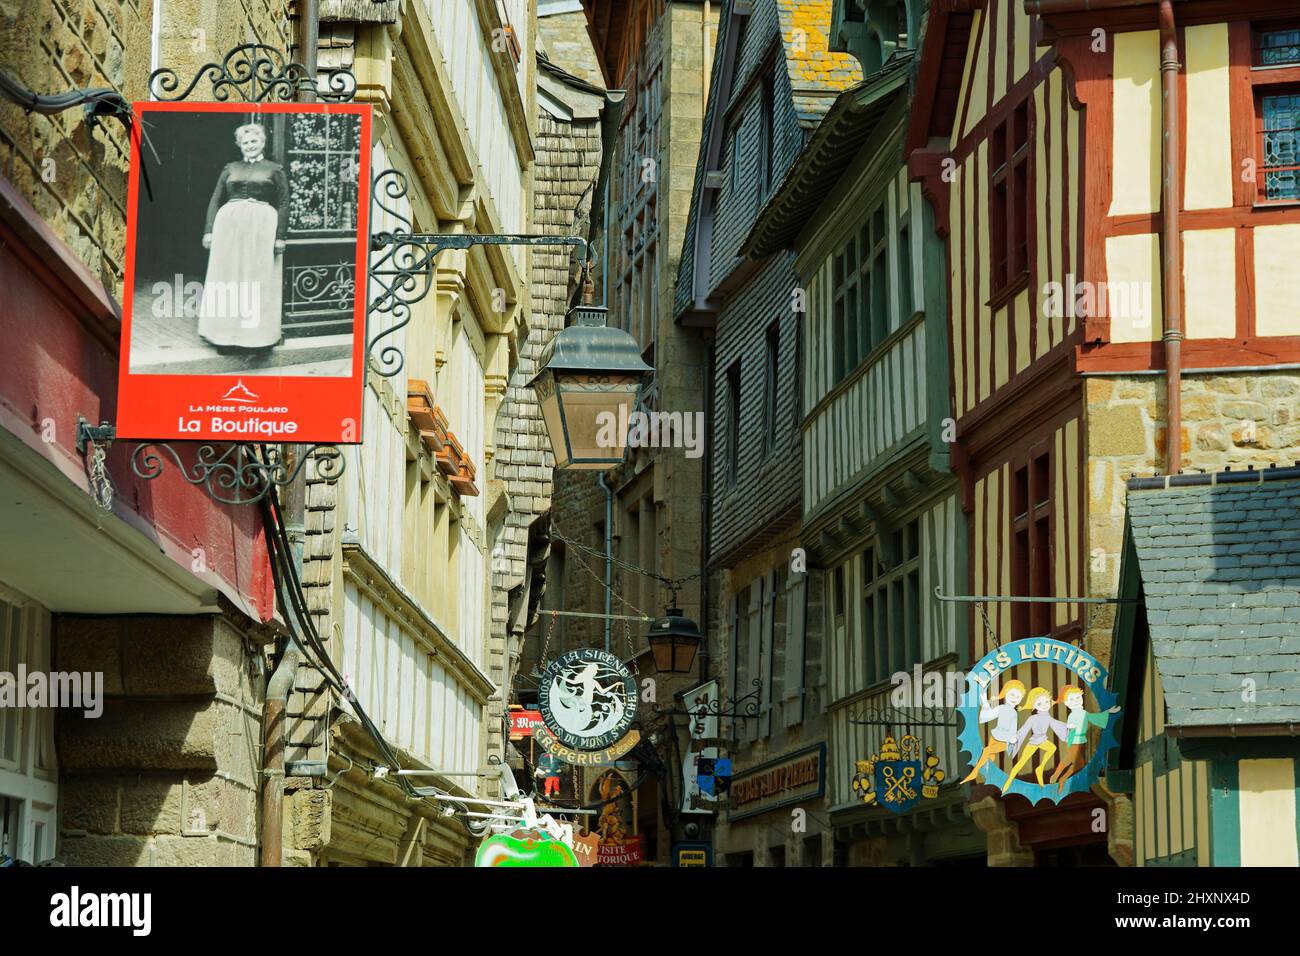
(1077, 724)
(1033, 735)
(1003, 734)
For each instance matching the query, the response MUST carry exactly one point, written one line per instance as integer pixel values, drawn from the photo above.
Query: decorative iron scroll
(402, 263)
(886, 715)
(734, 708)
(255, 73)
(237, 475)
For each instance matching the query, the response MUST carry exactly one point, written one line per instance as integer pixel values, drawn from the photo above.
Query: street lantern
(587, 382)
(674, 639)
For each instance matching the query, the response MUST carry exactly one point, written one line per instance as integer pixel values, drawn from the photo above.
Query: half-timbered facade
(1081, 335)
(879, 511)
(398, 555)
(773, 80)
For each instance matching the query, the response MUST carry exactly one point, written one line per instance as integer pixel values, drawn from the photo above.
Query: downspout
(277, 701)
(609, 555)
(1173, 245)
(1171, 280)
(280, 686)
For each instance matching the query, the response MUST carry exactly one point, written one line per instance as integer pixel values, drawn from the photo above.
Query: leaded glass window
(1281, 129)
(1279, 47)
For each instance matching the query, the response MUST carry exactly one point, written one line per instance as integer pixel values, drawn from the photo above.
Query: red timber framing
(1092, 70)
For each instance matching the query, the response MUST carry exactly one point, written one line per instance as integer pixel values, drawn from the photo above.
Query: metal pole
(609, 556)
(1011, 599)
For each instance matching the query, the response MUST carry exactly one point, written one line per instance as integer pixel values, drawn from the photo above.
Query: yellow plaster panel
(1210, 283)
(1135, 148)
(997, 49)
(979, 571)
(1022, 331)
(1060, 612)
(1044, 275)
(1277, 279)
(977, 73)
(1073, 577)
(1024, 41)
(1267, 795)
(1076, 162)
(984, 373)
(1208, 183)
(1001, 347)
(1056, 189)
(956, 281)
(1133, 300)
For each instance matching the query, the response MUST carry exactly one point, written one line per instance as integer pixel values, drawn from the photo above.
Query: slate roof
(816, 73)
(1219, 560)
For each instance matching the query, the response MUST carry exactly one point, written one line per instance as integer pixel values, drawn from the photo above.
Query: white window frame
(29, 792)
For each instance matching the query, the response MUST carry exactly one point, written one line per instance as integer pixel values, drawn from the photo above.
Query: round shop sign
(1028, 710)
(587, 698)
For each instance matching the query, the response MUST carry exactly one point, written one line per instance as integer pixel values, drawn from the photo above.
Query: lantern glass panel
(594, 410)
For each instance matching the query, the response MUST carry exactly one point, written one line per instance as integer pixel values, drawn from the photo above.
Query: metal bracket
(255, 72)
(88, 434)
(237, 475)
(403, 263)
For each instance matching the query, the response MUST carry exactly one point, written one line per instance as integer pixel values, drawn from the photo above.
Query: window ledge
(1276, 204)
(1019, 283)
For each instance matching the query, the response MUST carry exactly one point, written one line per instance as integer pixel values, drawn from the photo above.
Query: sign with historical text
(588, 699)
(793, 778)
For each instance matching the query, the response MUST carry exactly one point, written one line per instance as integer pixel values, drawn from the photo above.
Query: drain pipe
(1171, 281)
(277, 702)
(1173, 251)
(609, 555)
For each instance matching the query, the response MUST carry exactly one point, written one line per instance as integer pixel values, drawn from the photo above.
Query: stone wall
(564, 39)
(168, 775)
(1230, 420)
(75, 178)
(568, 163)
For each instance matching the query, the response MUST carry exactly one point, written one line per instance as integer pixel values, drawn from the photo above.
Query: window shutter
(754, 629)
(796, 607)
(768, 625)
(735, 651)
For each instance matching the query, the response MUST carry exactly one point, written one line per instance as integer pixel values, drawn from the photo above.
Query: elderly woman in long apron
(246, 222)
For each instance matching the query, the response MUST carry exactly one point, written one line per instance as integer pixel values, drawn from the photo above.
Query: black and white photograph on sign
(246, 250)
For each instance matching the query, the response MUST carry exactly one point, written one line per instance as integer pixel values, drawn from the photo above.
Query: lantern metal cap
(589, 345)
(675, 624)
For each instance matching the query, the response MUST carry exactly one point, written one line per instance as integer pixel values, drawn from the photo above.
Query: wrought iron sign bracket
(403, 263)
(734, 708)
(903, 717)
(237, 474)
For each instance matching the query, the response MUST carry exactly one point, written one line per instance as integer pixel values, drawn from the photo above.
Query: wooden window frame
(1033, 550)
(1265, 81)
(873, 310)
(897, 644)
(1011, 164)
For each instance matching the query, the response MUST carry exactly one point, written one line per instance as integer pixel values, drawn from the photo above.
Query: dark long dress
(242, 292)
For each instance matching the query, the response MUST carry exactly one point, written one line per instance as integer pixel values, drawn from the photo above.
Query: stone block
(90, 644)
(90, 803)
(135, 734)
(99, 851)
(1117, 430)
